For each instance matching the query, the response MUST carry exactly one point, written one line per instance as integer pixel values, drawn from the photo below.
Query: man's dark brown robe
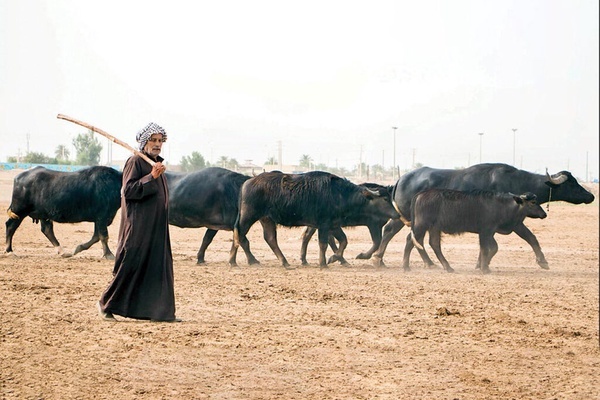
(142, 286)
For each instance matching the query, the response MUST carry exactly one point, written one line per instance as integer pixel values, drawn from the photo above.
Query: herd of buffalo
(483, 199)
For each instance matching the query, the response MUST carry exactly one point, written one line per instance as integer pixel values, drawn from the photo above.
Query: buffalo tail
(417, 244)
(402, 217)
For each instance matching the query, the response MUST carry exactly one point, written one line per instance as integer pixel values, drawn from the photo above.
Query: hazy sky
(326, 78)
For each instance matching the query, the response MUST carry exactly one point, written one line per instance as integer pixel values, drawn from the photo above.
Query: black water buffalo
(318, 199)
(492, 177)
(454, 212)
(373, 222)
(91, 194)
(206, 198)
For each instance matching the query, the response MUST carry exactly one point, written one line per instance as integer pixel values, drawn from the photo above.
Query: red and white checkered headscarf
(147, 132)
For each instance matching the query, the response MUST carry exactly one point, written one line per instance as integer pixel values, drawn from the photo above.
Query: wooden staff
(109, 136)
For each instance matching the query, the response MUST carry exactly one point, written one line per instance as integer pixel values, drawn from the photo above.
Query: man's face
(154, 144)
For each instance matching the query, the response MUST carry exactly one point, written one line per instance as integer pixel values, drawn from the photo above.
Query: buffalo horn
(558, 180)
(373, 193)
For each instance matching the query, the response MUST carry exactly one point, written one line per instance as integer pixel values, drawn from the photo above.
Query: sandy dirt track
(263, 332)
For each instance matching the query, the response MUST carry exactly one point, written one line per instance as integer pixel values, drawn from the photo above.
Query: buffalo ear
(518, 199)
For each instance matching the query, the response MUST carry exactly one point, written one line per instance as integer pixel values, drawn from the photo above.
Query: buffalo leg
(47, 228)
(323, 244)
(209, 235)
(241, 240)
(488, 248)
(530, 238)
(245, 244)
(11, 228)
(270, 236)
(339, 234)
(103, 234)
(246, 247)
(239, 236)
(306, 236)
(375, 232)
(100, 234)
(246, 218)
(435, 240)
(407, 250)
(389, 231)
(331, 240)
(234, 246)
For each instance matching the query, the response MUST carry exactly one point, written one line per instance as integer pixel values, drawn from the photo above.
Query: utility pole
(480, 145)
(514, 146)
(360, 162)
(382, 164)
(280, 155)
(394, 157)
(587, 176)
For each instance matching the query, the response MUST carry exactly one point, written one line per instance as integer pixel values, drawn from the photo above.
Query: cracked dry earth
(264, 332)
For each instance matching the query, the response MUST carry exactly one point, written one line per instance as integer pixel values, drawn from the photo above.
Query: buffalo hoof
(486, 271)
(543, 264)
(377, 261)
(66, 255)
(363, 256)
(333, 259)
(450, 270)
(200, 262)
(10, 254)
(110, 257)
(253, 262)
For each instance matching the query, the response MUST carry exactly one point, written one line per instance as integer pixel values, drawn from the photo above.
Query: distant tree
(377, 171)
(342, 171)
(88, 149)
(229, 163)
(418, 165)
(223, 162)
(360, 170)
(62, 153)
(38, 158)
(233, 164)
(305, 161)
(193, 162)
(271, 161)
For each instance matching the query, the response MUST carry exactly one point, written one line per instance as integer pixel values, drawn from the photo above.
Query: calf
(91, 194)
(318, 199)
(454, 212)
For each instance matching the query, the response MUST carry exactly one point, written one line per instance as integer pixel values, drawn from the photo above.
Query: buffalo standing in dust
(454, 212)
(318, 199)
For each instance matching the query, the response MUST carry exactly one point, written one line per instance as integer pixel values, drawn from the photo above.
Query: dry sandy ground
(263, 332)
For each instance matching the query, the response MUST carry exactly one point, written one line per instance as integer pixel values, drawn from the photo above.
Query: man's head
(151, 138)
